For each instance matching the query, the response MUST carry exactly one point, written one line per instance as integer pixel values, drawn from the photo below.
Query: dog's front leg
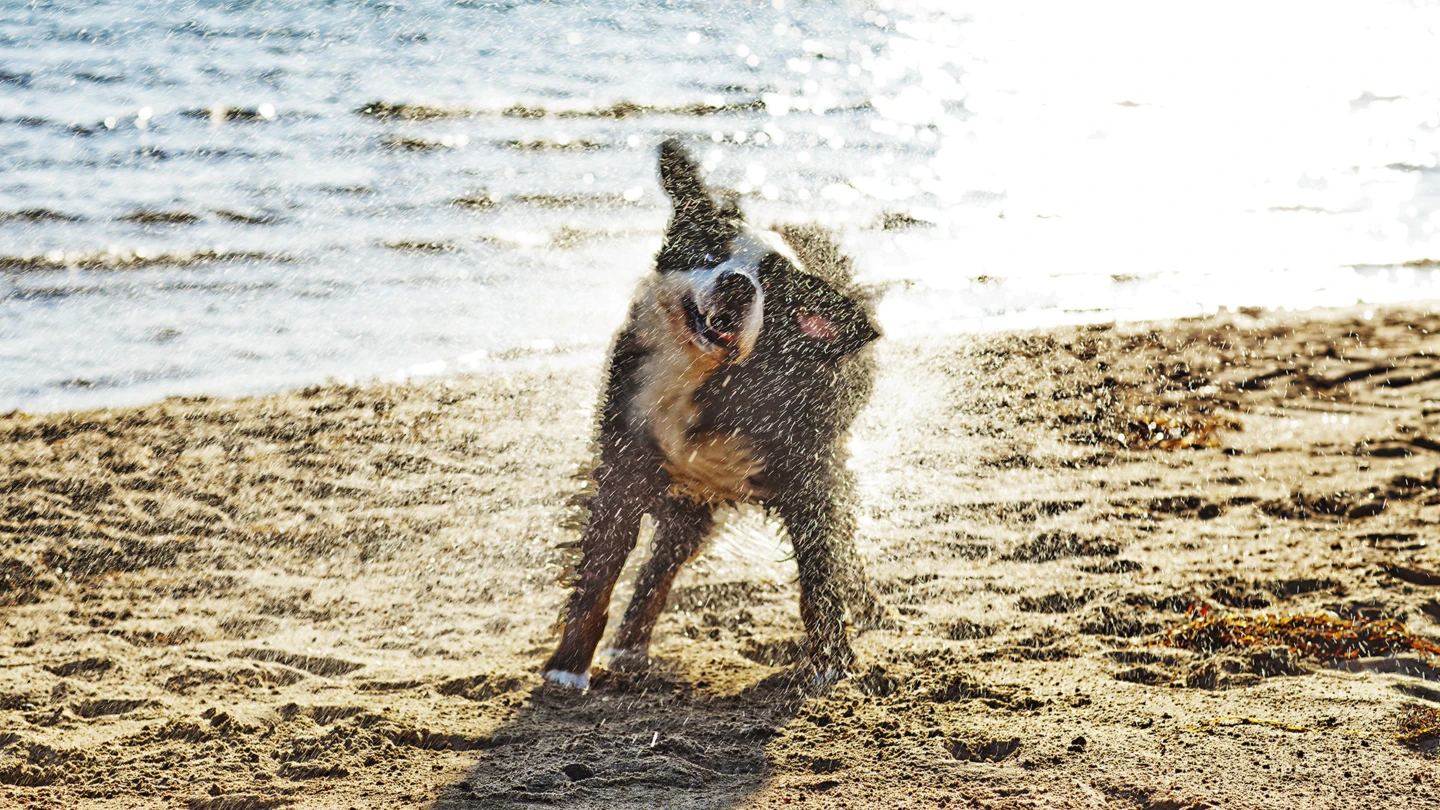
(681, 526)
(609, 536)
(814, 517)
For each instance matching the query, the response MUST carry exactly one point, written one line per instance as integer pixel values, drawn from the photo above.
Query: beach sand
(339, 597)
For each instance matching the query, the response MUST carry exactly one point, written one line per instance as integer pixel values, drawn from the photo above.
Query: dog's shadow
(632, 740)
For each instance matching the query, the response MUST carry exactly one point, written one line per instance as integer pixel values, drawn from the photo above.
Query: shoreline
(101, 391)
(339, 596)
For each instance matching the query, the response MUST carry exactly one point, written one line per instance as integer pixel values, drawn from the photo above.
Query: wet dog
(735, 380)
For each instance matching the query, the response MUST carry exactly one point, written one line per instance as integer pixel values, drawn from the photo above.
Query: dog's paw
(623, 660)
(573, 680)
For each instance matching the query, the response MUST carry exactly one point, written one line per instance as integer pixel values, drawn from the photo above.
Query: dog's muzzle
(724, 313)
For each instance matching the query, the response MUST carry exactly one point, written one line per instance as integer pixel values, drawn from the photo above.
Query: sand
(339, 597)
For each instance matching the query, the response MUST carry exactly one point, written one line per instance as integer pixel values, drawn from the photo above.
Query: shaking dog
(744, 361)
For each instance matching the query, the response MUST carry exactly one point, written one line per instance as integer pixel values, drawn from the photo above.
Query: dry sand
(339, 597)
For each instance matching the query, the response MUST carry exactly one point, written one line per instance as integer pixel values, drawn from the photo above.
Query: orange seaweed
(1308, 633)
(1419, 725)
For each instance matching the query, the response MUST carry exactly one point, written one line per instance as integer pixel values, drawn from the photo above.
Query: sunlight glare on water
(227, 197)
(1150, 160)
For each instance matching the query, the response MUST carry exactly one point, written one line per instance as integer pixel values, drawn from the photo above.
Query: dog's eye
(708, 259)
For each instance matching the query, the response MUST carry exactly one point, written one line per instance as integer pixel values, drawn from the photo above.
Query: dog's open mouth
(706, 329)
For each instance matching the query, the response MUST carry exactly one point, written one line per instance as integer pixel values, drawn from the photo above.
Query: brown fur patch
(705, 467)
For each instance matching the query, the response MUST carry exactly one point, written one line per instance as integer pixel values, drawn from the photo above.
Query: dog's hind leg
(609, 536)
(813, 518)
(867, 611)
(681, 526)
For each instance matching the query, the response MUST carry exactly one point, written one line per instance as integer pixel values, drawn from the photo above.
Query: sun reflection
(1229, 161)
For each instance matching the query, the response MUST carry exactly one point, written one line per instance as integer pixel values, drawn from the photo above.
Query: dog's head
(722, 282)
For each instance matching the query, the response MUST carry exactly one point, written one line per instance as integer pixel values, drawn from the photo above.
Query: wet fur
(681, 432)
(703, 465)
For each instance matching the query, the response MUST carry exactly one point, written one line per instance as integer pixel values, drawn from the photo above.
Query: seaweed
(1419, 726)
(1311, 634)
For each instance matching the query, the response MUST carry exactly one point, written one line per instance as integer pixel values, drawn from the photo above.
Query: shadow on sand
(648, 740)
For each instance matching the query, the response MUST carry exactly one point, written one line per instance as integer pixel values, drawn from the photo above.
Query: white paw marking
(571, 679)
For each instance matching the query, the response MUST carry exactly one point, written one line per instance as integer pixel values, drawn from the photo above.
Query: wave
(569, 237)
(477, 202)
(37, 215)
(423, 144)
(482, 201)
(420, 246)
(219, 113)
(98, 78)
(120, 259)
(151, 217)
(558, 145)
(28, 121)
(389, 111)
(124, 380)
(430, 143)
(573, 200)
(243, 218)
(56, 293)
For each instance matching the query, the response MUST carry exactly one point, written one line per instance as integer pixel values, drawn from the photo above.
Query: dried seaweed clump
(1419, 726)
(1307, 633)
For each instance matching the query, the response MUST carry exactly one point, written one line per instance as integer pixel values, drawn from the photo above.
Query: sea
(229, 197)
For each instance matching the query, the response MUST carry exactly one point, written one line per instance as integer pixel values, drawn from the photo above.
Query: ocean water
(235, 197)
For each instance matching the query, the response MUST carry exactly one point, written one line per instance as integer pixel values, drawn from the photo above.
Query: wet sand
(339, 597)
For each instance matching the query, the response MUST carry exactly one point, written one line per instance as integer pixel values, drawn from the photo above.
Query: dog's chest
(705, 464)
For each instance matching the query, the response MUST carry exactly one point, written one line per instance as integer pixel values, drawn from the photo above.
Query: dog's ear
(680, 178)
(837, 333)
(828, 322)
